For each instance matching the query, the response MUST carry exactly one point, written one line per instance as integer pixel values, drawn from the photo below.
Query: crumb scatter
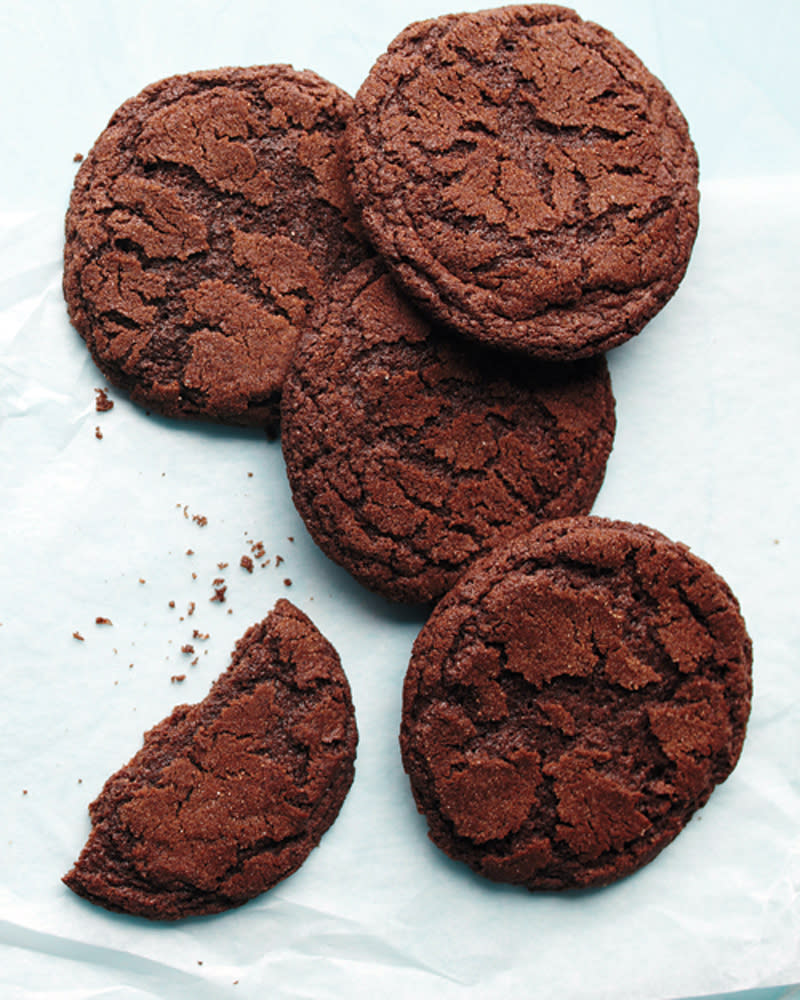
(102, 402)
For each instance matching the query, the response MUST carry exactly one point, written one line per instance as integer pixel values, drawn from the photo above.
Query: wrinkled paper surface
(99, 523)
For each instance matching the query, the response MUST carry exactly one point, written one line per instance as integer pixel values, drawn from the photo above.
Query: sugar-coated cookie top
(207, 218)
(572, 701)
(526, 177)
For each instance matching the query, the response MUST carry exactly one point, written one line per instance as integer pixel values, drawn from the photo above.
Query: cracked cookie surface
(202, 226)
(409, 451)
(573, 701)
(228, 796)
(527, 178)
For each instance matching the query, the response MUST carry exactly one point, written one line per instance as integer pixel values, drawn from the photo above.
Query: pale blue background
(706, 451)
(66, 64)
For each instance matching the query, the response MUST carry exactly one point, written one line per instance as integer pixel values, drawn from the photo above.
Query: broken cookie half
(229, 796)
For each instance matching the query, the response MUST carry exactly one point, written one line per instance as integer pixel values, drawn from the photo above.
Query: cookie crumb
(219, 594)
(187, 648)
(190, 610)
(222, 565)
(200, 635)
(77, 635)
(258, 550)
(172, 604)
(278, 561)
(178, 678)
(24, 791)
(287, 582)
(246, 563)
(77, 158)
(190, 552)
(142, 580)
(98, 434)
(200, 519)
(102, 403)
(101, 620)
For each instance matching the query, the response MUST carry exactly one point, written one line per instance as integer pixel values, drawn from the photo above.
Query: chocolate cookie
(527, 178)
(228, 796)
(209, 215)
(410, 452)
(572, 702)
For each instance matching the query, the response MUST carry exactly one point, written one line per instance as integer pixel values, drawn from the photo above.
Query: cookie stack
(418, 287)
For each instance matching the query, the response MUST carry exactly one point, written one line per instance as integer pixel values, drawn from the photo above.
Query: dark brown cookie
(527, 178)
(207, 218)
(228, 796)
(572, 702)
(410, 452)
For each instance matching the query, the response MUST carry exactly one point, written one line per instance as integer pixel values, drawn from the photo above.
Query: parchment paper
(98, 524)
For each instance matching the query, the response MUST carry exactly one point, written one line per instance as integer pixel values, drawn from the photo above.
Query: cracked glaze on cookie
(410, 452)
(572, 702)
(202, 226)
(228, 796)
(527, 178)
